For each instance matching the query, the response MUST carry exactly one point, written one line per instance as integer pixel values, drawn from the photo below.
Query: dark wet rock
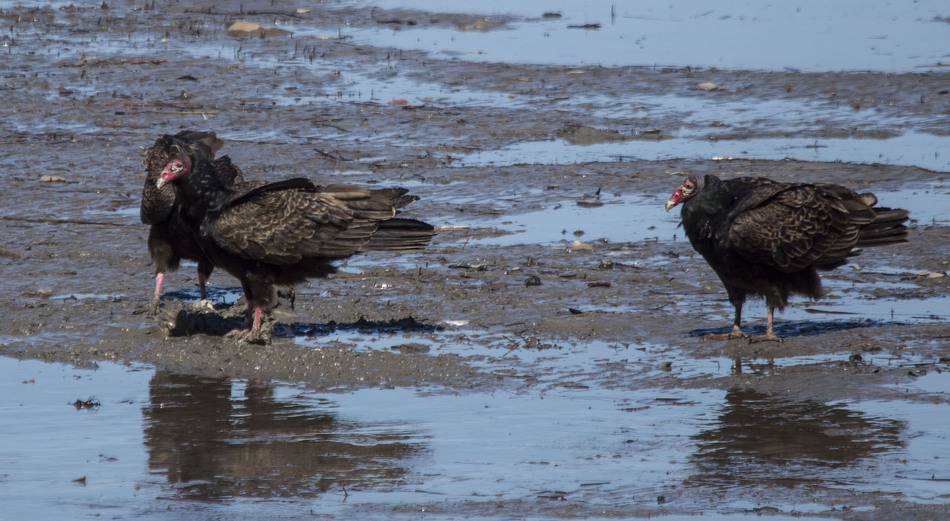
(585, 135)
(412, 347)
(590, 200)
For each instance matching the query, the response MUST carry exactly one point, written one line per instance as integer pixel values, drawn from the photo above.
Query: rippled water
(151, 439)
(809, 35)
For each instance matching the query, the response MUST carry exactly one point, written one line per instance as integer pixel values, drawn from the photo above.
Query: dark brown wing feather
(285, 226)
(791, 227)
(279, 227)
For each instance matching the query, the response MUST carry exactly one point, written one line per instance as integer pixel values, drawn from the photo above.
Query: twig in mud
(341, 129)
(192, 112)
(179, 104)
(245, 13)
(115, 61)
(331, 156)
(452, 227)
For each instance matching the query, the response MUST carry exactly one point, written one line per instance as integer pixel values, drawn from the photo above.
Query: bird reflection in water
(764, 440)
(211, 445)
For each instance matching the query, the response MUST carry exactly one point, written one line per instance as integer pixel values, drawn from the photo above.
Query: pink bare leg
(159, 279)
(256, 323)
(769, 335)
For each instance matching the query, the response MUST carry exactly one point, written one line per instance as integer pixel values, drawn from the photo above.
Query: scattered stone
(412, 347)
(245, 29)
(532, 280)
(589, 202)
(468, 266)
(52, 179)
(481, 24)
(707, 86)
(581, 246)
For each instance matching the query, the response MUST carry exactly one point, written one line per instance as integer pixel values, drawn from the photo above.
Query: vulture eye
(687, 188)
(177, 166)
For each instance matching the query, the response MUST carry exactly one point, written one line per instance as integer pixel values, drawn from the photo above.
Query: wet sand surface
(557, 286)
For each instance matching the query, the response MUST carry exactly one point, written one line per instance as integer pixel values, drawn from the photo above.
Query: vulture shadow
(801, 328)
(184, 318)
(401, 325)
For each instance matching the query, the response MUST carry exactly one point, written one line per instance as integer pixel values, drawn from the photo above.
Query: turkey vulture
(281, 233)
(170, 239)
(769, 239)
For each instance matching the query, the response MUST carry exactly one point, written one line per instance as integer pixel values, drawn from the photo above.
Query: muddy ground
(86, 89)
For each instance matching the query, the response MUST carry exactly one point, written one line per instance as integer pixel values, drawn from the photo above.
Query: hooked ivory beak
(675, 199)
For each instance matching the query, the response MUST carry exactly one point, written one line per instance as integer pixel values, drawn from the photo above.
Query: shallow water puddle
(618, 219)
(910, 149)
(807, 36)
(149, 439)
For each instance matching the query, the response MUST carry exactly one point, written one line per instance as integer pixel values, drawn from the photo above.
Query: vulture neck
(204, 191)
(713, 197)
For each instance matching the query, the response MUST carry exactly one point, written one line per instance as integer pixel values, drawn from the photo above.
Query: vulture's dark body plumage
(281, 233)
(170, 239)
(770, 239)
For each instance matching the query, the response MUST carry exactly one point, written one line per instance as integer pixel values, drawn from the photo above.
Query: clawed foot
(735, 334)
(152, 308)
(240, 334)
(251, 335)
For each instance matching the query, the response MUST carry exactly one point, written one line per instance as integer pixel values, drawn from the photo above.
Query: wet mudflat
(508, 371)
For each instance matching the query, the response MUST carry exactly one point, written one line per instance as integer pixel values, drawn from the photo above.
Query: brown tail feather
(887, 228)
(400, 235)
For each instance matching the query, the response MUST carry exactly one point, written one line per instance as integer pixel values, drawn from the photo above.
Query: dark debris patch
(89, 404)
(401, 325)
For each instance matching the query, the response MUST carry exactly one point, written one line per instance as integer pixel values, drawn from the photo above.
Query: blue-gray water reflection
(762, 440)
(216, 440)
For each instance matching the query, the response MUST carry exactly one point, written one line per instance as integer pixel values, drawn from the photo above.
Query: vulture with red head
(282, 233)
(769, 239)
(170, 239)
